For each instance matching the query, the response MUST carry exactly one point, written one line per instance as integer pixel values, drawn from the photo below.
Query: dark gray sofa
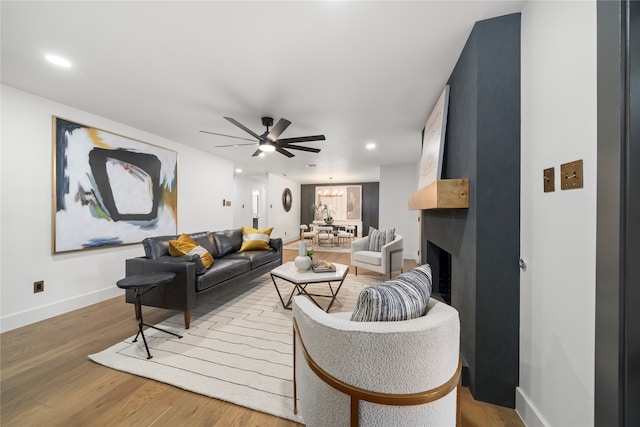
(192, 279)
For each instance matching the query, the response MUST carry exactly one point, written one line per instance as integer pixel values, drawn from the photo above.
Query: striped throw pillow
(402, 298)
(254, 239)
(377, 238)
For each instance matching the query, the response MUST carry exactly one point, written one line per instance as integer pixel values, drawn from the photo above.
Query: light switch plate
(549, 180)
(571, 175)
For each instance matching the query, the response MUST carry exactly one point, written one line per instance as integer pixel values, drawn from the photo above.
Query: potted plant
(310, 252)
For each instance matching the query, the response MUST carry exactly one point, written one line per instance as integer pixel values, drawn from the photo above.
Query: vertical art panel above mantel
(108, 189)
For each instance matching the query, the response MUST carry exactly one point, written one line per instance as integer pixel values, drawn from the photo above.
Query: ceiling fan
(270, 140)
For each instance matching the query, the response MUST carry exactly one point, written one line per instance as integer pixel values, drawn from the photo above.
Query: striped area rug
(323, 248)
(238, 349)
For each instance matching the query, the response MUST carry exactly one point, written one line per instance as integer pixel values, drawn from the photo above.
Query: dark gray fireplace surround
(483, 144)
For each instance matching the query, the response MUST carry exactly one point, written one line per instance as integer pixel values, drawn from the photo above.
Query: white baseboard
(33, 315)
(411, 255)
(527, 411)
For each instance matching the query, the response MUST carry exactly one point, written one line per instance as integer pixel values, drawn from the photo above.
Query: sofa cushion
(205, 239)
(378, 238)
(222, 270)
(185, 245)
(256, 258)
(228, 241)
(368, 257)
(194, 258)
(155, 247)
(254, 239)
(402, 298)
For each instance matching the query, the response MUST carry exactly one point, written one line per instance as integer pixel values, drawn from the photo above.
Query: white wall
(286, 225)
(558, 230)
(74, 280)
(397, 183)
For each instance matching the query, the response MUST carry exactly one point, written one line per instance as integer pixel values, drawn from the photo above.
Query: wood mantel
(441, 194)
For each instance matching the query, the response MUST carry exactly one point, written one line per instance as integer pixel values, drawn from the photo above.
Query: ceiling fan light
(267, 148)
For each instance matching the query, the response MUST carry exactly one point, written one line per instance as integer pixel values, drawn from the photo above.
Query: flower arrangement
(310, 252)
(323, 208)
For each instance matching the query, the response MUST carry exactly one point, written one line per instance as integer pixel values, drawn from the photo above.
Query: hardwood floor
(47, 379)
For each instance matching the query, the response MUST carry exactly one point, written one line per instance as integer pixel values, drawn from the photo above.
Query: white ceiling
(356, 72)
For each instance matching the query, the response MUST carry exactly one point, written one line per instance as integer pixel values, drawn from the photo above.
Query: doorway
(617, 352)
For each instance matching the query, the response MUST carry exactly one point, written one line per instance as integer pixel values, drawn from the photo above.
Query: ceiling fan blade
(285, 152)
(233, 145)
(244, 128)
(302, 139)
(277, 130)
(309, 149)
(228, 136)
(257, 153)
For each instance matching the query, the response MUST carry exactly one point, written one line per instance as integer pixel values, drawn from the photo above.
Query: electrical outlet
(571, 175)
(549, 180)
(38, 286)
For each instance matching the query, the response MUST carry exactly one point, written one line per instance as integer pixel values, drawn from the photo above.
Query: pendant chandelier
(330, 192)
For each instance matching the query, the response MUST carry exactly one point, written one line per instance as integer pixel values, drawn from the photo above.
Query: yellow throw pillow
(253, 239)
(185, 245)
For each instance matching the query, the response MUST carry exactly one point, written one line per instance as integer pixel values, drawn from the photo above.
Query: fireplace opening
(440, 262)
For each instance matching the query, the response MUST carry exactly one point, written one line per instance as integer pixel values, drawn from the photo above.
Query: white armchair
(388, 260)
(402, 373)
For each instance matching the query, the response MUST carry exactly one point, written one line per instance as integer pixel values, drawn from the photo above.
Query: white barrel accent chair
(388, 260)
(396, 373)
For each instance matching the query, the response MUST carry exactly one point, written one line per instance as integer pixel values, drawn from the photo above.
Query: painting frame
(108, 189)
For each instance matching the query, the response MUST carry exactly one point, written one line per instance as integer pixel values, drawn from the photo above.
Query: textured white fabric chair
(388, 260)
(403, 373)
(351, 229)
(325, 234)
(344, 237)
(310, 235)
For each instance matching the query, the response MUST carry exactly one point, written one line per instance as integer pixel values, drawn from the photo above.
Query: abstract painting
(109, 189)
(354, 202)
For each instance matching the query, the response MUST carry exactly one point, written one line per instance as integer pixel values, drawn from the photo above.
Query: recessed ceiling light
(370, 145)
(54, 59)
(238, 170)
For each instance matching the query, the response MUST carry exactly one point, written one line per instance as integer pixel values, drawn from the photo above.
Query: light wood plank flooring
(47, 379)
